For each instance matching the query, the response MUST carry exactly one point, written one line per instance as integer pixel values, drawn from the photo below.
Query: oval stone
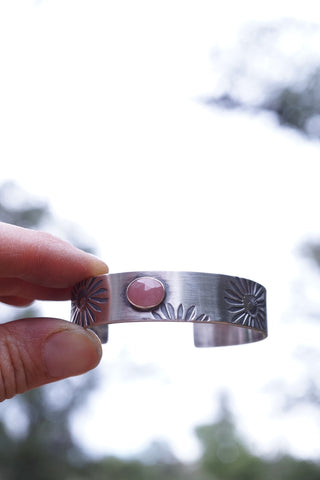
(145, 293)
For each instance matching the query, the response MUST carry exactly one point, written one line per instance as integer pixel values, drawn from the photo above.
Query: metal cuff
(224, 310)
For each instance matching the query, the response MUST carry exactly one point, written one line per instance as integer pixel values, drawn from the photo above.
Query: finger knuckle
(14, 365)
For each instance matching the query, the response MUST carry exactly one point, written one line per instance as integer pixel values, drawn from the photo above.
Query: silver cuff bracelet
(224, 310)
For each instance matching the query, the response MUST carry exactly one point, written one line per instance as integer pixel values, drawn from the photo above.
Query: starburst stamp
(246, 302)
(87, 299)
(224, 310)
(181, 314)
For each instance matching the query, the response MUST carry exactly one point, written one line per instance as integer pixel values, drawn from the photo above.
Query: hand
(35, 351)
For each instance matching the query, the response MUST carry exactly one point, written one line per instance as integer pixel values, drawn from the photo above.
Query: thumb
(36, 351)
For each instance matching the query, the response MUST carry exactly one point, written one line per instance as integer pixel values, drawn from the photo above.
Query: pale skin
(35, 351)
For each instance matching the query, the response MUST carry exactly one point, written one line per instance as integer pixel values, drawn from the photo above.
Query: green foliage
(224, 453)
(226, 456)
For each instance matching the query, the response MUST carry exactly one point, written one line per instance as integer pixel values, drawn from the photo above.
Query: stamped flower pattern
(87, 298)
(182, 314)
(246, 301)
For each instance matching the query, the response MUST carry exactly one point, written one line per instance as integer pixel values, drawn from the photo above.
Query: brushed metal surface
(225, 310)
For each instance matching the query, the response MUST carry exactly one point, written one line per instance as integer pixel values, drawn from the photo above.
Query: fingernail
(71, 352)
(94, 263)
(99, 266)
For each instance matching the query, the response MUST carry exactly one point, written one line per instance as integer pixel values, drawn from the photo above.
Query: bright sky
(99, 115)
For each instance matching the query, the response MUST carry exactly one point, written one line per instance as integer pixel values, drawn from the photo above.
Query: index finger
(43, 259)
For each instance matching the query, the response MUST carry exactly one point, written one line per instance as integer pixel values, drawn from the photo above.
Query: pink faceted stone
(145, 293)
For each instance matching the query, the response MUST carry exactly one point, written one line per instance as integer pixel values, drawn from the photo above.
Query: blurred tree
(112, 468)
(311, 250)
(17, 208)
(44, 449)
(273, 67)
(35, 436)
(226, 456)
(224, 453)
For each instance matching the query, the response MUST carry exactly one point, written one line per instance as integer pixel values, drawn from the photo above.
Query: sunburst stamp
(181, 314)
(224, 310)
(88, 298)
(246, 301)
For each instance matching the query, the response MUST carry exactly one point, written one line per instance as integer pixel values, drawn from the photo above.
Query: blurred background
(172, 135)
